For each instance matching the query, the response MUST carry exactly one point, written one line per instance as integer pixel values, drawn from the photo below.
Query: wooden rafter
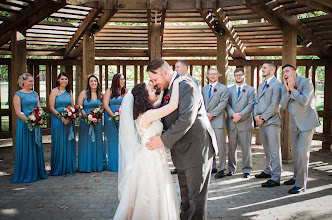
(29, 16)
(89, 19)
(232, 35)
(162, 27)
(316, 5)
(107, 15)
(327, 3)
(317, 42)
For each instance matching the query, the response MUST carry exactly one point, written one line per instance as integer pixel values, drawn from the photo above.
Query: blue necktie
(210, 91)
(238, 92)
(265, 84)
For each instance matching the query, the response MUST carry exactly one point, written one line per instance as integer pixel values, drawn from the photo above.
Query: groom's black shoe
(220, 174)
(290, 182)
(174, 172)
(270, 183)
(214, 170)
(263, 175)
(296, 190)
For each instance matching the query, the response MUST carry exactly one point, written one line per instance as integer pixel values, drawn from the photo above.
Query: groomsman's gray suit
(303, 120)
(267, 105)
(190, 137)
(242, 130)
(216, 105)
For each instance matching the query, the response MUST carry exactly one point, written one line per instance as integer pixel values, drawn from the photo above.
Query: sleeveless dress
(29, 156)
(149, 193)
(63, 154)
(90, 154)
(111, 137)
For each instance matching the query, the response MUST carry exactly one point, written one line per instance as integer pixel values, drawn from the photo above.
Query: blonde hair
(22, 77)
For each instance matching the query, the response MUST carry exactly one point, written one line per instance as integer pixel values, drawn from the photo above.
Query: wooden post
(88, 64)
(314, 81)
(252, 75)
(135, 74)
(54, 75)
(18, 67)
(222, 59)
(247, 70)
(101, 77)
(155, 45)
(141, 74)
(78, 82)
(327, 123)
(203, 76)
(288, 57)
(106, 77)
(124, 72)
(36, 79)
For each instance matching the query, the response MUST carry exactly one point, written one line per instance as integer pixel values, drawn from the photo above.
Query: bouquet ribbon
(71, 132)
(92, 133)
(37, 136)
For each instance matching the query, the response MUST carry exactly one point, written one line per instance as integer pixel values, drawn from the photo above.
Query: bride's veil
(129, 142)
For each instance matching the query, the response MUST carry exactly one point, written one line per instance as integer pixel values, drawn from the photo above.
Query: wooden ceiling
(253, 27)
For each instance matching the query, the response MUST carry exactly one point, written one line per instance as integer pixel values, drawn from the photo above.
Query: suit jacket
(301, 105)
(267, 102)
(243, 104)
(216, 104)
(188, 132)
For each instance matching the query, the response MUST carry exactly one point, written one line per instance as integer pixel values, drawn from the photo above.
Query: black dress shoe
(270, 183)
(214, 170)
(230, 173)
(246, 175)
(290, 182)
(296, 190)
(174, 172)
(263, 175)
(220, 174)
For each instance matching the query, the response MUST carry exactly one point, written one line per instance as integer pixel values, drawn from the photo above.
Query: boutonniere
(243, 90)
(166, 99)
(267, 85)
(215, 90)
(295, 87)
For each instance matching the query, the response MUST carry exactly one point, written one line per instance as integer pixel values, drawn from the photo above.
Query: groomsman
(267, 117)
(240, 122)
(298, 98)
(181, 66)
(215, 97)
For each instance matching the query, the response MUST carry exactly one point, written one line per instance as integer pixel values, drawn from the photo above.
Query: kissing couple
(146, 189)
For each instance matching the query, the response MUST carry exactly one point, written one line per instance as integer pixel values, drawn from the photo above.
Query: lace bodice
(62, 101)
(154, 129)
(28, 100)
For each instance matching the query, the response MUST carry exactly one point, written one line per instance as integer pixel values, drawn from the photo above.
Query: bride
(145, 185)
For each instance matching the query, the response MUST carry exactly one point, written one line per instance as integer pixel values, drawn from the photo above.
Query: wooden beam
(155, 45)
(222, 59)
(107, 15)
(327, 121)
(88, 62)
(327, 3)
(31, 15)
(162, 27)
(86, 23)
(316, 5)
(291, 20)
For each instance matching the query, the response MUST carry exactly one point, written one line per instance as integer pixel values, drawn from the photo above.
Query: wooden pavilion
(79, 35)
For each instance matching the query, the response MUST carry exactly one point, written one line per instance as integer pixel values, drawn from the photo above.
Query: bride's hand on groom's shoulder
(154, 143)
(182, 78)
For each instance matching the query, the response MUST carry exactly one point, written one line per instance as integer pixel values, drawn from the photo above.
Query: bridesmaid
(111, 102)
(90, 153)
(29, 156)
(63, 154)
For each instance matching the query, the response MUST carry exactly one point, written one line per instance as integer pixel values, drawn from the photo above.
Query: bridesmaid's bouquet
(94, 116)
(116, 116)
(71, 112)
(37, 118)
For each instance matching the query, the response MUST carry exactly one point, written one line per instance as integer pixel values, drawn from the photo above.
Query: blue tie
(238, 92)
(210, 91)
(265, 84)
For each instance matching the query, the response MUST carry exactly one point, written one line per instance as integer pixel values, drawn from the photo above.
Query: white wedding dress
(149, 193)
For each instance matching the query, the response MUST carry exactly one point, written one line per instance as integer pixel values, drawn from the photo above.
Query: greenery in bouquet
(116, 116)
(94, 117)
(37, 118)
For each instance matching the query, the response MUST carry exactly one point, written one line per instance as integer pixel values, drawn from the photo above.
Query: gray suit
(303, 120)
(189, 135)
(242, 130)
(267, 105)
(216, 105)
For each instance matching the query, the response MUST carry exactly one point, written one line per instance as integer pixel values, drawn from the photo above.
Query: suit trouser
(194, 186)
(301, 143)
(244, 139)
(220, 135)
(270, 137)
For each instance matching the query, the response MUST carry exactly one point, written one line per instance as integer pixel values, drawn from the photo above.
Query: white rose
(69, 113)
(72, 109)
(32, 117)
(90, 116)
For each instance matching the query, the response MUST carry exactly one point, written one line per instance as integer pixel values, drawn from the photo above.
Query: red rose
(295, 87)
(72, 116)
(215, 89)
(118, 110)
(243, 90)
(267, 85)
(166, 98)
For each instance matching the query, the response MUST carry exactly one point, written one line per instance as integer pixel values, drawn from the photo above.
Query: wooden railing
(198, 68)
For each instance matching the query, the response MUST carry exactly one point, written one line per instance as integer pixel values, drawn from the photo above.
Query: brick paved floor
(94, 195)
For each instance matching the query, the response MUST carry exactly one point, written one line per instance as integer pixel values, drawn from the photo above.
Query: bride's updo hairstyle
(141, 100)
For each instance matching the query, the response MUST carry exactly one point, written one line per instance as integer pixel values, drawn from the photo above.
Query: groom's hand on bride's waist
(154, 143)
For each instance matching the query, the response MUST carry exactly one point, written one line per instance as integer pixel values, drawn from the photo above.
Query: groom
(189, 135)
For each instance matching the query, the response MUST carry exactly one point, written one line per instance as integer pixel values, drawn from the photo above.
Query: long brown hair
(88, 88)
(116, 85)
